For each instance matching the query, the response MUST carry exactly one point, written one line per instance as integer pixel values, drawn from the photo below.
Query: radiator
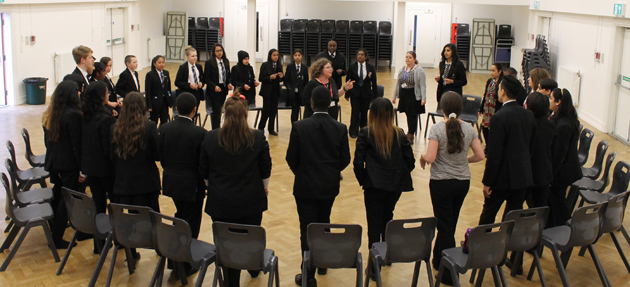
(570, 79)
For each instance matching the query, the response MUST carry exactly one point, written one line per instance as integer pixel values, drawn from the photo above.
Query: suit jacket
(244, 75)
(510, 147)
(181, 81)
(368, 90)
(138, 174)
(126, 84)
(235, 182)
(338, 62)
(65, 154)
(293, 80)
(308, 92)
(318, 151)
(566, 167)
(211, 76)
(458, 74)
(155, 92)
(266, 70)
(179, 143)
(111, 88)
(522, 96)
(544, 148)
(95, 158)
(78, 72)
(374, 171)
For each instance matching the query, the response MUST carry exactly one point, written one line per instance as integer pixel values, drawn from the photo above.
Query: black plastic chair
(33, 160)
(526, 236)
(28, 217)
(243, 247)
(208, 111)
(621, 178)
(590, 184)
(286, 25)
(328, 26)
(26, 178)
(403, 245)
(594, 171)
(486, 249)
(333, 246)
(586, 138)
(26, 197)
(173, 240)
(470, 112)
(432, 115)
(384, 28)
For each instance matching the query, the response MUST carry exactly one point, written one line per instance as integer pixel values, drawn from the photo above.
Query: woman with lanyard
(411, 88)
(322, 71)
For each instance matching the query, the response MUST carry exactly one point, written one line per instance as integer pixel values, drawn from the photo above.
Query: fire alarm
(132, 27)
(32, 39)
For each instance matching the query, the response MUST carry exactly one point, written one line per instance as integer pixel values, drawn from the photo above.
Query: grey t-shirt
(451, 166)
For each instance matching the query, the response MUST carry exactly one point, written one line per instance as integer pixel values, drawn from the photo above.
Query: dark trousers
(159, 111)
(101, 188)
(69, 179)
(312, 211)
(191, 212)
(217, 100)
(234, 275)
(514, 200)
(412, 122)
(150, 200)
(558, 208)
(447, 197)
(379, 209)
(537, 196)
(486, 135)
(269, 111)
(358, 118)
(295, 108)
(334, 111)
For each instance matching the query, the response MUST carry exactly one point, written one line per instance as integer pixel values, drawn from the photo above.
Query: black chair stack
(327, 33)
(191, 31)
(214, 31)
(503, 44)
(536, 58)
(369, 38)
(284, 36)
(298, 35)
(355, 39)
(201, 32)
(463, 42)
(313, 38)
(385, 43)
(342, 28)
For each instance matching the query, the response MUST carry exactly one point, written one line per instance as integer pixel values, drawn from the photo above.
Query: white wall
(336, 10)
(517, 16)
(583, 7)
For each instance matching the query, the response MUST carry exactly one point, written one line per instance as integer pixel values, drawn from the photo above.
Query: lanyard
(331, 91)
(407, 72)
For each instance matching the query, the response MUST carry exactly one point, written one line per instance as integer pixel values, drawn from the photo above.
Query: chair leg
(582, 251)
(472, 276)
(518, 261)
(438, 280)
(272, 264)
(376, 268)
(204, 121)
(482, 273)
(65, 257)
(502, 276)
(396, 117)
(598, 266)
(625, 234)
(256, 120)
(101, 260)
(495, 276)
(6, 262)
(202, 272)
(565, 256)
(131, 261)
(182, 273)
(277, 271)
(426, 126)
(560, 266)
(455, 277)
(111, 266)
(10, 238)
(217, 275)
(621, 254)
(540, 271)
(305, 264)
(359, 267)
(368, 270)
(51, 242)
(416, 274)
(156, 272)
(161, 273)
(429, 273)
(9, 226)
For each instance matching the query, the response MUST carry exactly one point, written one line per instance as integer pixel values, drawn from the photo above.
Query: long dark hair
(64, 97)
(235, 134)
(381, 126)
(93, 100)
(213, 56)
(154, 60)
(98, 68)
(454, 56)
(129, 131)
(566, 108)
(452, 103)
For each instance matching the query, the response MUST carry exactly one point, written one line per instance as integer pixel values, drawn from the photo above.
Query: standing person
(411, 88)
(229, 155)
(544, 147)
(383, 161)
(128, 80)
(321, 72)
(295, 81)
(85, 61)
(243, 77)
(522, 94)
(100, 74)
(490, 103)
(157, 87)
(449, 142)
(546, 86)
(337, 60)
(535, 76)
(189, 76)
(218, 79)
(566, 167)
(111, 87)
(318, 151)
(360, 96)
(270, 75)
(452, 72)
(508, 166)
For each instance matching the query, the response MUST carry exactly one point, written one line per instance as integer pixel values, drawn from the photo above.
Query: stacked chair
(535, 58)
(204, 32)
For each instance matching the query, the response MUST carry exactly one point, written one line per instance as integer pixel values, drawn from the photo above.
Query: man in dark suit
(128, 79)
(83, 57)
(362, 94)
(337, 59)
(318, 151)
(508, 166)
(218, 78)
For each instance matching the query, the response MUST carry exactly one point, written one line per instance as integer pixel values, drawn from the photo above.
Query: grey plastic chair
(582, 231)
(621, 178)
(594, 171)
(333, 246)
(590, 184)
(84, 218)
(26, 178)
(586, 138)
(33, 160)
(243, 247)
(174, 241)
(432, 115)
(28, 217)
(487, 248)
(470, 111)
(403, 245)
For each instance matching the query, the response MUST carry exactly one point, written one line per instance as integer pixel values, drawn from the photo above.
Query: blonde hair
(538, 74)
(80, 52)
(189, 49)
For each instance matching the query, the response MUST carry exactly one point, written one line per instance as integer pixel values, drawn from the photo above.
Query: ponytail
(452, 105)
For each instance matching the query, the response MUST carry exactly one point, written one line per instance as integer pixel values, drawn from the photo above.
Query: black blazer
(368, 90)
(266, 70)
(111, 88)
(566, 167)
(211, 76)
(293, 80)
(78, 72)
(458, 74)
(374, 171)
(235, 186)
(522, 96)
(244, 75)
(544, 148)
(181, 81)
(65, 154)
(126, 84)
(338, 62)
(179, 143)
(510, 147)
(308, 92)
(95, 158)
(155, 93)
(318, 151)
(498, 104)
(138, 174)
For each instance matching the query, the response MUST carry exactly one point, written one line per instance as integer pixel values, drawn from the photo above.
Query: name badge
(404, 85)
(332, 104)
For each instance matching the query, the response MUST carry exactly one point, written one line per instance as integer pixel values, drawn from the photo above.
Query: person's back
(451, 165)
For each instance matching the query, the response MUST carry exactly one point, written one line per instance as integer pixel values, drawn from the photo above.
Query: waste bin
(35, 90)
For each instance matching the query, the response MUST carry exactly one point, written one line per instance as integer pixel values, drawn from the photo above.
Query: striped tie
(223, 73)
(194, 70)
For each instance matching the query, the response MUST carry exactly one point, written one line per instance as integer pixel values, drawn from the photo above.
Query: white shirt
(509, 101)
(362, 66)
(332, 54)
(135, 80)
(85, 74)
(185, 117)
(191, 79)
(219, 63)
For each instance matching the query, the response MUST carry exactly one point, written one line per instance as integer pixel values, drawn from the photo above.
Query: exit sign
(619, 10)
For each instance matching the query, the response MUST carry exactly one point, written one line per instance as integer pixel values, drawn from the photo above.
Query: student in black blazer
(111, 87)
(295, 81)
(452, 72)
(243, 77)
(190, 76)
(318, 151)
(337, 59)
(566, 167)
(218, 78)
(270, 75)
(83, 57)
(360, 96)
(62, 134)
(128, 80)
(508, 166)
(157, 87)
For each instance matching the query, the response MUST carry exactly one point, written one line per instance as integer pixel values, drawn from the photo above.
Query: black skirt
(407, 102)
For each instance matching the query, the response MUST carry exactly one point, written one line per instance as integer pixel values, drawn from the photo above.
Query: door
(116, 42)
(3, 80)
(426, 37)
(262, 32)
(176, 31)
(622, 120)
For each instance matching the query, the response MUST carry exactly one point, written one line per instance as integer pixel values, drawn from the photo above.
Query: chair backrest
(328, 26)
(615, 210)
(369, 27)
(609, 160)
(131, 225)
(380, 91)
(214, 23)
(8, 203)
(342, 27)
(585, 224)
(10, 166)
(488, 244)
(356, 26)
(202, 22)
(385, 27)
(299, 25)
(463, 30)
(586, 137)
(621, 177)
(528, 228)
(191, 22)
(504, 31)
(81, 210)
(172, 237)
(285, 25)
(314, 26)
(27, 143)
(406, 243)
(239, 246)
(471, 104)
(11, 149)
(600, 154)
(333, 245)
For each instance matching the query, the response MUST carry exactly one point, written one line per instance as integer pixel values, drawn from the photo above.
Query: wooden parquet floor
(34, 266)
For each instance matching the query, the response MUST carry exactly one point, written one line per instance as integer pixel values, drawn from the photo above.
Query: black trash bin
(35, 90)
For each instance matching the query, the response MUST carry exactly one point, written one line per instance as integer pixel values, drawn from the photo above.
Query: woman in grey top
(411, 88)
(447, 153)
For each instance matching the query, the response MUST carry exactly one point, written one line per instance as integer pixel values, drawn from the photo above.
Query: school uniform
(361, 95)
(333, 110)
(127, 82)
(157, 85)
(338, 62)
(454, 71)
(217, 74)
(270, 91)
(190, 74)
(84, 75)
(244, 75)
(295, 80)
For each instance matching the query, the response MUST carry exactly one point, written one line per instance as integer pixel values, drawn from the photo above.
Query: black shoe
(508, 264)
(62, 244)
(84, 236)
(446, 279)
(253, 273)
(273, 133)
(353, 136)
(310, 283)
(322, 271)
